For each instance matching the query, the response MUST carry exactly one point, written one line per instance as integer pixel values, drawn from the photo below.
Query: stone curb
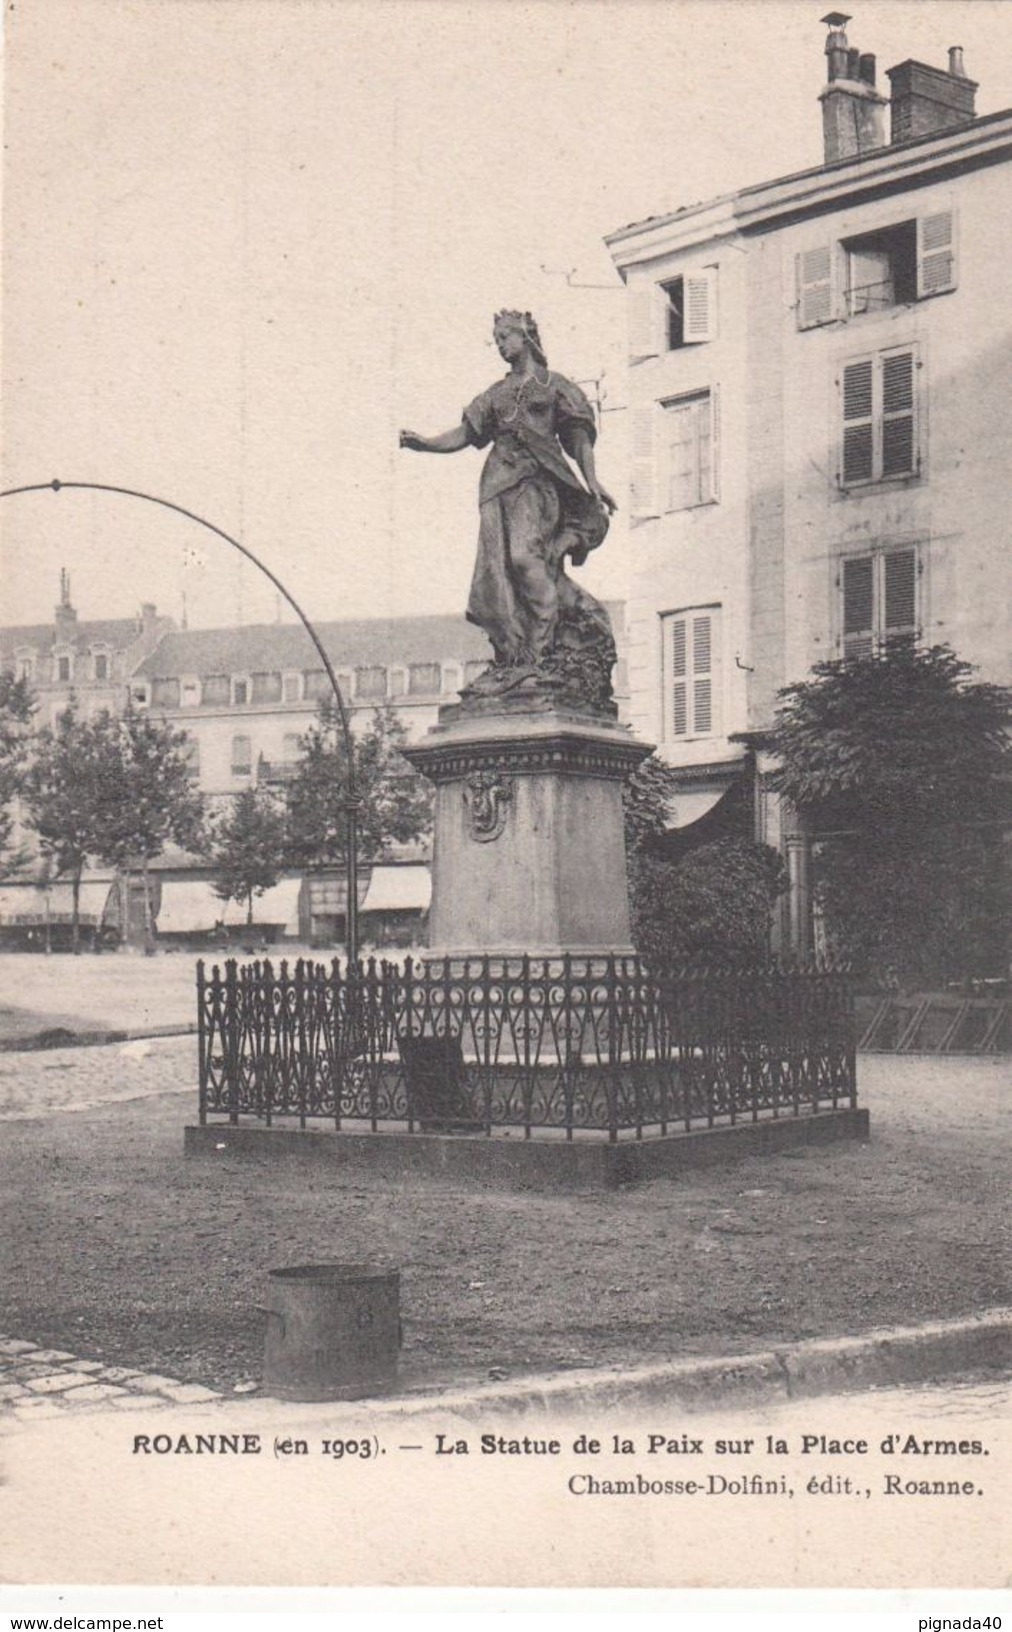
(884, 1358)
(890, 1357)
(40, 1041)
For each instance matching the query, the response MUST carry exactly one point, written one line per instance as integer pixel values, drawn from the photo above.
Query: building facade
(245, 698)
(819, 370)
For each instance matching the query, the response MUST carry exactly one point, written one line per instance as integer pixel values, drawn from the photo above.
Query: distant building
(90, 661)
(819, 387)
(245, 697)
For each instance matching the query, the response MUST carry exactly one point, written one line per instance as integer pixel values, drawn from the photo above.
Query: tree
(713, 904)
(395, 801)
(146, 800)
(898, 763)
(63, 789)
(247, 848)
(16, 707)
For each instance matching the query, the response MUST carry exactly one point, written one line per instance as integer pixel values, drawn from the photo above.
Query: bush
(714, 906)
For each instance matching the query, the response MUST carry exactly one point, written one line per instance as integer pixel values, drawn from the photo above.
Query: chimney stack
(853, 111)
(926, 100)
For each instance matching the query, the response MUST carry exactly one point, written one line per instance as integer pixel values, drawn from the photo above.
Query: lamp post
(351, 805)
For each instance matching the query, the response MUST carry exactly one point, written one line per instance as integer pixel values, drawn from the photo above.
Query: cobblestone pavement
(80, 1079)
(39, 1384)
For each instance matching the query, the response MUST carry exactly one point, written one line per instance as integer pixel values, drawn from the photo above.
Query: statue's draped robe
(534, 511)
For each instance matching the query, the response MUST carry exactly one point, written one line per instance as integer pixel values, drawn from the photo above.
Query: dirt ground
(116, 1247)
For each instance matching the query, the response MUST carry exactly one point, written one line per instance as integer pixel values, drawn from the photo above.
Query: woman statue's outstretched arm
(447, 442)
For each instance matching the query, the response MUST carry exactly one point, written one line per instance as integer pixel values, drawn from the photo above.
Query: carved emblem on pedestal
(487, 796)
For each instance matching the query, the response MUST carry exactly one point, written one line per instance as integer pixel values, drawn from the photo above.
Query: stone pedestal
(529, 851)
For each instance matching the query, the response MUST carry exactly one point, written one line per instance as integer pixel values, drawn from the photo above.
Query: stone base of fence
(505, 1163)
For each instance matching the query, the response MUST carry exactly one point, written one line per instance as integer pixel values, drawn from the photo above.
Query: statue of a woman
(535, 511)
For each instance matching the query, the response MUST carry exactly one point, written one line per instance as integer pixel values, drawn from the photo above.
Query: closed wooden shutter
(700, 308)
(816, 286)
(900, 587)
(644, 462)
(702, 682)
(679, 677)
(936, 254)
(858, 422)
(692, 649)
(898, 447)
(858, 607)
(644, 321)
(690, 453)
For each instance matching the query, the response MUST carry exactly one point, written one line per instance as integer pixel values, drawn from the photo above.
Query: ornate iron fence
(570, 1045)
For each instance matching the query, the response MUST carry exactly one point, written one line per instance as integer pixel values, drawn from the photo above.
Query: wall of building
(693, 557)
(802, 522)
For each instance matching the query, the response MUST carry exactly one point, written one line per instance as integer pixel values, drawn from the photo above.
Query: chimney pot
(866, 68)
(956, 61)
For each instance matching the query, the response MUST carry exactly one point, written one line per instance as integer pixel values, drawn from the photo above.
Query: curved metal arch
(351, 806)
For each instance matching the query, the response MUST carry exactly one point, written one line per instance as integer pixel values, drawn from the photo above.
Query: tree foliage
(65, 792)
(902, 738)
(16, 705)
(145, 799)
(395, 801)
(714, 904)
(247, 848)
(900, 762)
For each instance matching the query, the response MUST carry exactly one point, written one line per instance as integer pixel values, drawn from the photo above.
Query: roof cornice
(813, 192)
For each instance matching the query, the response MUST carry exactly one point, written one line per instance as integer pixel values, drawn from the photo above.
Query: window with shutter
(644, 462)
(936, 254)
(894, 265)
(899, 574)
(879, 594)
(690, 473)
(879, 413)
(690, 663)
(242, 756)
(858, 607)
(690, 309)
(858, 424)
(700, 297)
(898, 414)
(815, 284)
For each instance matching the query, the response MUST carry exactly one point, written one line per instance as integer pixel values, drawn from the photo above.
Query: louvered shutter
(815, 281)
(858, 422)
(702, 681)
(644, 462)
(936, 254)
(644, 322)
(858, 606)
(699, 303)
(679, 677)
(900, 574)
(898, 443)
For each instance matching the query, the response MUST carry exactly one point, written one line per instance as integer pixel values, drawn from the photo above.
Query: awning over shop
(190, 905)
(26, 903)
(398, 889)
(705, 815)
(278, 905)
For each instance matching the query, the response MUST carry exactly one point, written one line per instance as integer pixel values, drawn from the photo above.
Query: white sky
(245, 240)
